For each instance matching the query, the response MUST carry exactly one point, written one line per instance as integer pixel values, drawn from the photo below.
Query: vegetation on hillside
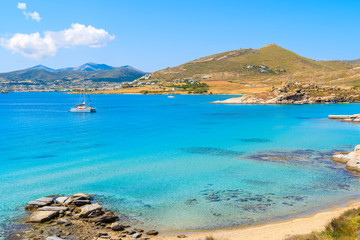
(240, 71)
(345, 227)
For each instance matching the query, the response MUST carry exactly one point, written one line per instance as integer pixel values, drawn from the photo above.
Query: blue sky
(151, 35)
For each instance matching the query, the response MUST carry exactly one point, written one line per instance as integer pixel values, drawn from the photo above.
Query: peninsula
(296, 93)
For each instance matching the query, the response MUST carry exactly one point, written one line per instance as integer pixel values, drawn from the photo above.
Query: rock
(357, 148)
(33, 205)
(91, 210)
(42, 216)
(152, 233)
(38, 203)
(136, 235)
(81, 195)
(48, 200)
(61, 200)
(80, 202)
(354, 162)
(181, 236)
(351, 159)
(341, 157)
(62, 221)
(54, 238)
(101, 234)
(68, 201)
(41, 202)
(107, 217)
(117, 227)
(53, 208)
(139, 230)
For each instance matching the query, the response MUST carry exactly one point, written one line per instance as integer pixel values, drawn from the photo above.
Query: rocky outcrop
(296, 94)
(346, 118)
(351, 159)
(76, 217)
(90, 210)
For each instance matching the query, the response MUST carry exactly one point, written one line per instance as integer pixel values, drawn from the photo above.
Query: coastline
(278, 230)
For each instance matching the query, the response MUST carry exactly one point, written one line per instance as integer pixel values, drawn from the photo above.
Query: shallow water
(175, 163)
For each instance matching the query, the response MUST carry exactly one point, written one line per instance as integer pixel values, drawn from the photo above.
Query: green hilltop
(247, 70)
(272, 56)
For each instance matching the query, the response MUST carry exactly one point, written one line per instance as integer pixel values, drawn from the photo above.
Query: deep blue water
(176, 163)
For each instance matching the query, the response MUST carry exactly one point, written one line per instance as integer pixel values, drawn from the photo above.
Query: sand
(276, 230)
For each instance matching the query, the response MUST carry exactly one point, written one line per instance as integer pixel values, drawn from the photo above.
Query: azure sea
(175, 163)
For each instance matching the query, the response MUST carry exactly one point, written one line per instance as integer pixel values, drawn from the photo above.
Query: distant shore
(276, 230)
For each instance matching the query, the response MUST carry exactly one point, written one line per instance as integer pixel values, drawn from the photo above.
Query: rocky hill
(249, 70)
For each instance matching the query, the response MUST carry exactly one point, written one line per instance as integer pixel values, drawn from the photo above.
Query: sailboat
(83, 107)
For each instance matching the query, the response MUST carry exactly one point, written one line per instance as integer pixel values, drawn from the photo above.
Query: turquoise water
(176, 163)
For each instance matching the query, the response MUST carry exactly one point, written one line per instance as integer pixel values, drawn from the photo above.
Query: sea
(175, 164)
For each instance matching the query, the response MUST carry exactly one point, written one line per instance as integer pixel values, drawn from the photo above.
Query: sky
(152, 35)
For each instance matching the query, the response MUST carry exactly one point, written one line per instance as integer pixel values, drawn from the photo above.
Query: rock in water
(42, 216)
(91, 210)
(61, 200)
(48, 200)
(352, 159)
(81, 195)
(357, 148)
(152, 233)
(53, 208)
(108, 217)
(80, 202)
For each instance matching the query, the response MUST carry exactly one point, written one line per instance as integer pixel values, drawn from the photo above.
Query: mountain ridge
(92, 71)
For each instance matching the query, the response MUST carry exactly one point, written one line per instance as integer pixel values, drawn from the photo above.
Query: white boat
(82, 107)
(170, 96)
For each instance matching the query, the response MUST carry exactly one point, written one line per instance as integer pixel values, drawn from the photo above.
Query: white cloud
(36, 46)
(33, 15)
(21, 6)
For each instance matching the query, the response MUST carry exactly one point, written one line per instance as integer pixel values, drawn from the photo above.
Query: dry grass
(345, 227)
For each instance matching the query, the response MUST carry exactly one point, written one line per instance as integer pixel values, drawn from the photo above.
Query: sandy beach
(277, 230)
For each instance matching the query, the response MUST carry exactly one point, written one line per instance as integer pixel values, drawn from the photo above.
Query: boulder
(53, 208)
(354, 163)
(136, 235)
(61, 200)
(181, 236)
(90, 210)
(341, 157)
(42, 216)
(80, 202)
(107, 217)
(68, 201)
(357, 148)
(63, 221)
(33, 205)
(82, 195)
(152, 233)
(117, 227)
(48, 200)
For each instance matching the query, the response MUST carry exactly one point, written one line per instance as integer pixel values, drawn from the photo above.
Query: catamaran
(83, 107)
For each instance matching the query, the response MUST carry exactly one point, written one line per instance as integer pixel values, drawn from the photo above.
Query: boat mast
(84, 91)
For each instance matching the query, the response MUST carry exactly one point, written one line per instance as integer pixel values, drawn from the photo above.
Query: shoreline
(300, 224)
